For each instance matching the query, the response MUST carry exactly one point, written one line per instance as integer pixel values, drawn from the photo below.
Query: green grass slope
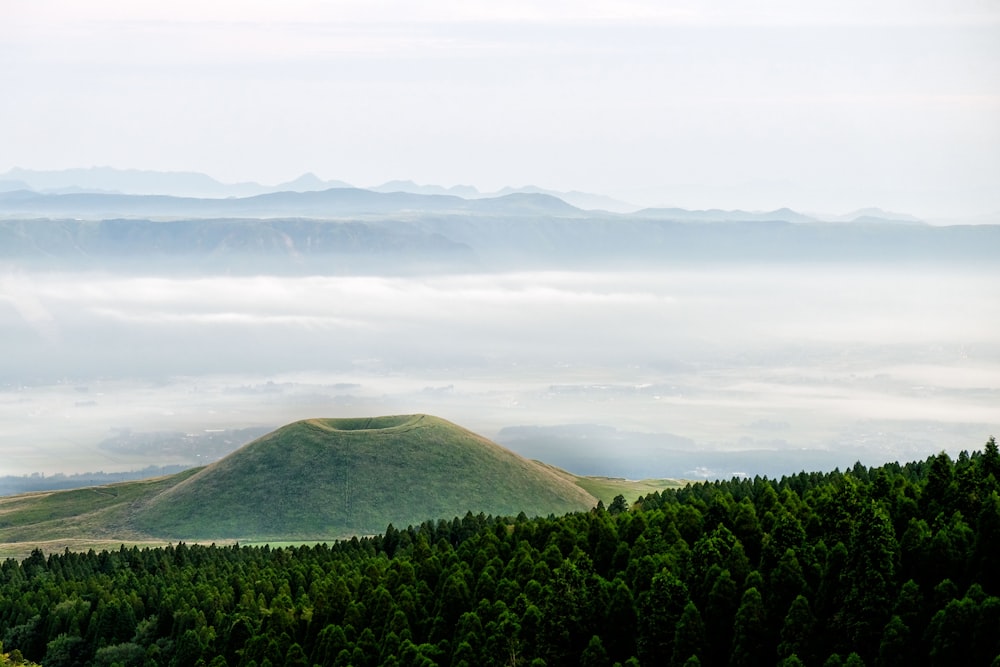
(606, 488)
(323, 478)
(95, 517)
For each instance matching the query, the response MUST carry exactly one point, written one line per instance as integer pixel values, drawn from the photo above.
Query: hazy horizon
(131, 181)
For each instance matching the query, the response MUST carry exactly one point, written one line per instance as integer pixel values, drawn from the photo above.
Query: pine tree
(689, 636)
(720, 616)
(750, 642)
(986, 552)
(659, 610)
(594, 654)
(894, 650)
(797, 630)
(869, 579)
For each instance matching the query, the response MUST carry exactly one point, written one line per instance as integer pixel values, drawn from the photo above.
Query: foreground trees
(886, 566)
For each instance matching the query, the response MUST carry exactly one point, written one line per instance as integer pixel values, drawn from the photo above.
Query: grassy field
(606, 488)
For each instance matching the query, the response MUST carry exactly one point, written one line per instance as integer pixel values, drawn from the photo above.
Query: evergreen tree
(797, 630)
(989, 464)
(659, 610)
(894, 650)
(618, 505)
(295, 657)
(720, 617)
(689, 636)
(750, 641)
(787, 582)
(986, 551)
(854, 660)
(869, 579)
(594, 654)
(619, 622)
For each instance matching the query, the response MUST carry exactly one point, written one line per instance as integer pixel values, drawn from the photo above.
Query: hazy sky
(825, 106)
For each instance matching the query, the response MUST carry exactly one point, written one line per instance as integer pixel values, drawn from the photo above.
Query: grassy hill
(313, 480)
(324, 477)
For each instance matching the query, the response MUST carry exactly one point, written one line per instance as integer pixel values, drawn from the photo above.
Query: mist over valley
(609, 344)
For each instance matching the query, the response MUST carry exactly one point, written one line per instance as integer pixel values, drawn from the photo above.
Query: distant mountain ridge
(326, 204)
(873, 213)
(491, 238)
(195, 185)
(396, 198)
(464, 191)
(345, 230)
(108, 180)
(718, 215)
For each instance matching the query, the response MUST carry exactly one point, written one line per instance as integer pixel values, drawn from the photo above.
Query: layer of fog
(843, 362)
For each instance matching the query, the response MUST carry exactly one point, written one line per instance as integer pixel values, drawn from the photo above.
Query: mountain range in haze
(107, 180)
(351, 230)
(194, 185)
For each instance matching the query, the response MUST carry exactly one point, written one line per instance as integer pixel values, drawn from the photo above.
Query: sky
(820, 106)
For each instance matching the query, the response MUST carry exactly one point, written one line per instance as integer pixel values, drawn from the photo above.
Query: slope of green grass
(606, 488)
(78, 518)
(324, 478)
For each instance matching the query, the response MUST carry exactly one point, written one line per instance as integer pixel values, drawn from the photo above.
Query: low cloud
(823, 357)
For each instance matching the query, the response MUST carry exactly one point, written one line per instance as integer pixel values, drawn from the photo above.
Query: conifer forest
(894, 565)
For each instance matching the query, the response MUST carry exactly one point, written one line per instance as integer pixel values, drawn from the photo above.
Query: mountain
(141, 182)
(309, 182)
(280, 245)
(332, 203)
(108, 180)
(325, 477)
(464, 191)
(490, 237)
(9, 185)
(874, 214)
(319, 479)
(583, 200)
(131, 181)
(718, 215)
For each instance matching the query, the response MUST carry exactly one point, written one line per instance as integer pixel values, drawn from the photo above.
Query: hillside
(324, 477)
(315, 480)
(81, 519)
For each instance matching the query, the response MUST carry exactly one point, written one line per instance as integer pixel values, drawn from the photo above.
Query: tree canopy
(874, 566)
